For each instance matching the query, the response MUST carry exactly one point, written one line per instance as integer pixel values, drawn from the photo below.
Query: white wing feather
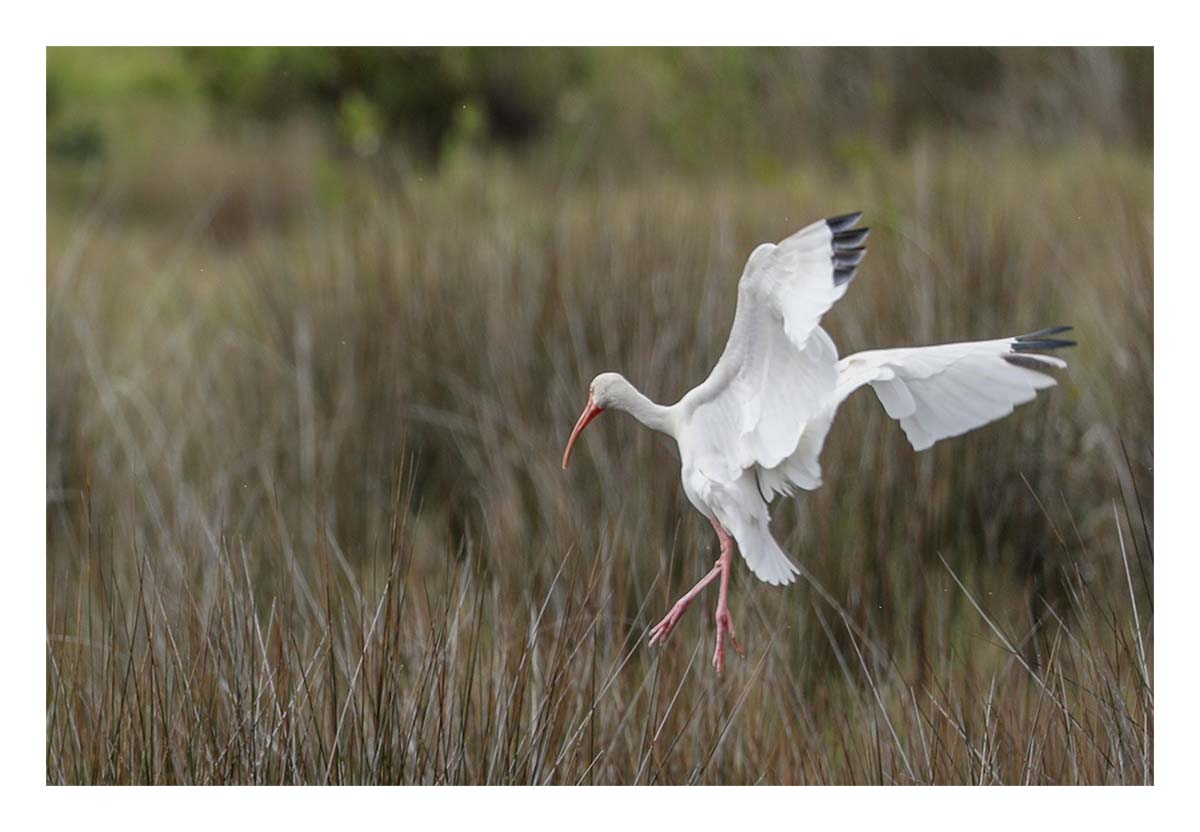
(946, 390)
(796, 278)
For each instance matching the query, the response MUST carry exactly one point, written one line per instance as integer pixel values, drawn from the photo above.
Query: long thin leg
(662, 630)
(722, 570)
(724, 620)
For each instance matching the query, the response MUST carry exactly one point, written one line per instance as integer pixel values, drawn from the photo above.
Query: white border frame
(874, 23)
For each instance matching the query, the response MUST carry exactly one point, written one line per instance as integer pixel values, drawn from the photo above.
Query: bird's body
(755, 427)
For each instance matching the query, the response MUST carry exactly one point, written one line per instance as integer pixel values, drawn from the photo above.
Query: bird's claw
(725, 627)
(662, 630)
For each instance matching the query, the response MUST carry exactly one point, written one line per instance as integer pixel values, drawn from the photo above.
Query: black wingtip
(1042, 333)
(1029, 362)
(848, 257)
(1038, 341)
(841, 223)
(844, 275)
(1040, 346)
(852, 239)
(847, 243)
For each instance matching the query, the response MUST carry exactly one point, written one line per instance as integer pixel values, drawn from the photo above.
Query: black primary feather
(841, 276)
(1029, 362)
(1042, 333)
(844, 221)
(851, 257)
(854, 238)
(1037, 341)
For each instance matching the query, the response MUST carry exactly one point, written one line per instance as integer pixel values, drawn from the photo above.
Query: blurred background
(312, 119)
(320, 321)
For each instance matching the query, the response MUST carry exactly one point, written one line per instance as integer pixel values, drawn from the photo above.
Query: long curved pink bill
(589, 413)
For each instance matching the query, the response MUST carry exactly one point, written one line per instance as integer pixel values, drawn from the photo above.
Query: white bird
(754, 428)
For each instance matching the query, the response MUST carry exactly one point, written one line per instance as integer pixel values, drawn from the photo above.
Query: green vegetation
(314, 346)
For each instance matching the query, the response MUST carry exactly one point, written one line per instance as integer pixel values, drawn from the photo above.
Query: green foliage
(361, 124)
(413, 94)
(730, 107)
(77, 141)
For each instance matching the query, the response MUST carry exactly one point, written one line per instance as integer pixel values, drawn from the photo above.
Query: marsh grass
(306, 522)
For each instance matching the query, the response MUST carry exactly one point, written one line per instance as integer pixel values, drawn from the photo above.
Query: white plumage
(755, 427)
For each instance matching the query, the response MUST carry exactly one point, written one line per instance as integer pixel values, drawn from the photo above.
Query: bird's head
(605, 391)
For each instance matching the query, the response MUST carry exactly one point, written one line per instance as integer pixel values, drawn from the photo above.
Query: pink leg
(724, 620)
(662, 630)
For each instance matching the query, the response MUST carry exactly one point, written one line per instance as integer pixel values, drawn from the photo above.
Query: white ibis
(754, 428)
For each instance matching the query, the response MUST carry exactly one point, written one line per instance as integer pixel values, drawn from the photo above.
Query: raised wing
(779, 368)
(946, 390)
(803, 276)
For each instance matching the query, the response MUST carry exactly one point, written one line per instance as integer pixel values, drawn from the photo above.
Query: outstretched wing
(779, 368)
(800, 278)
(946, 390)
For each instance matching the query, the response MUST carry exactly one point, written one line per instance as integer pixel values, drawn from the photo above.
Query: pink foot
(725, 626)
(662, 630)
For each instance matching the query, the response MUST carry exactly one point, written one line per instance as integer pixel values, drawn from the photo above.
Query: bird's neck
(652, 415)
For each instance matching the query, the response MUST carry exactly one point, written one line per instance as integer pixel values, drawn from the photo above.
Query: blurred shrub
(619, 109)
(77, 141)
(411, 94)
